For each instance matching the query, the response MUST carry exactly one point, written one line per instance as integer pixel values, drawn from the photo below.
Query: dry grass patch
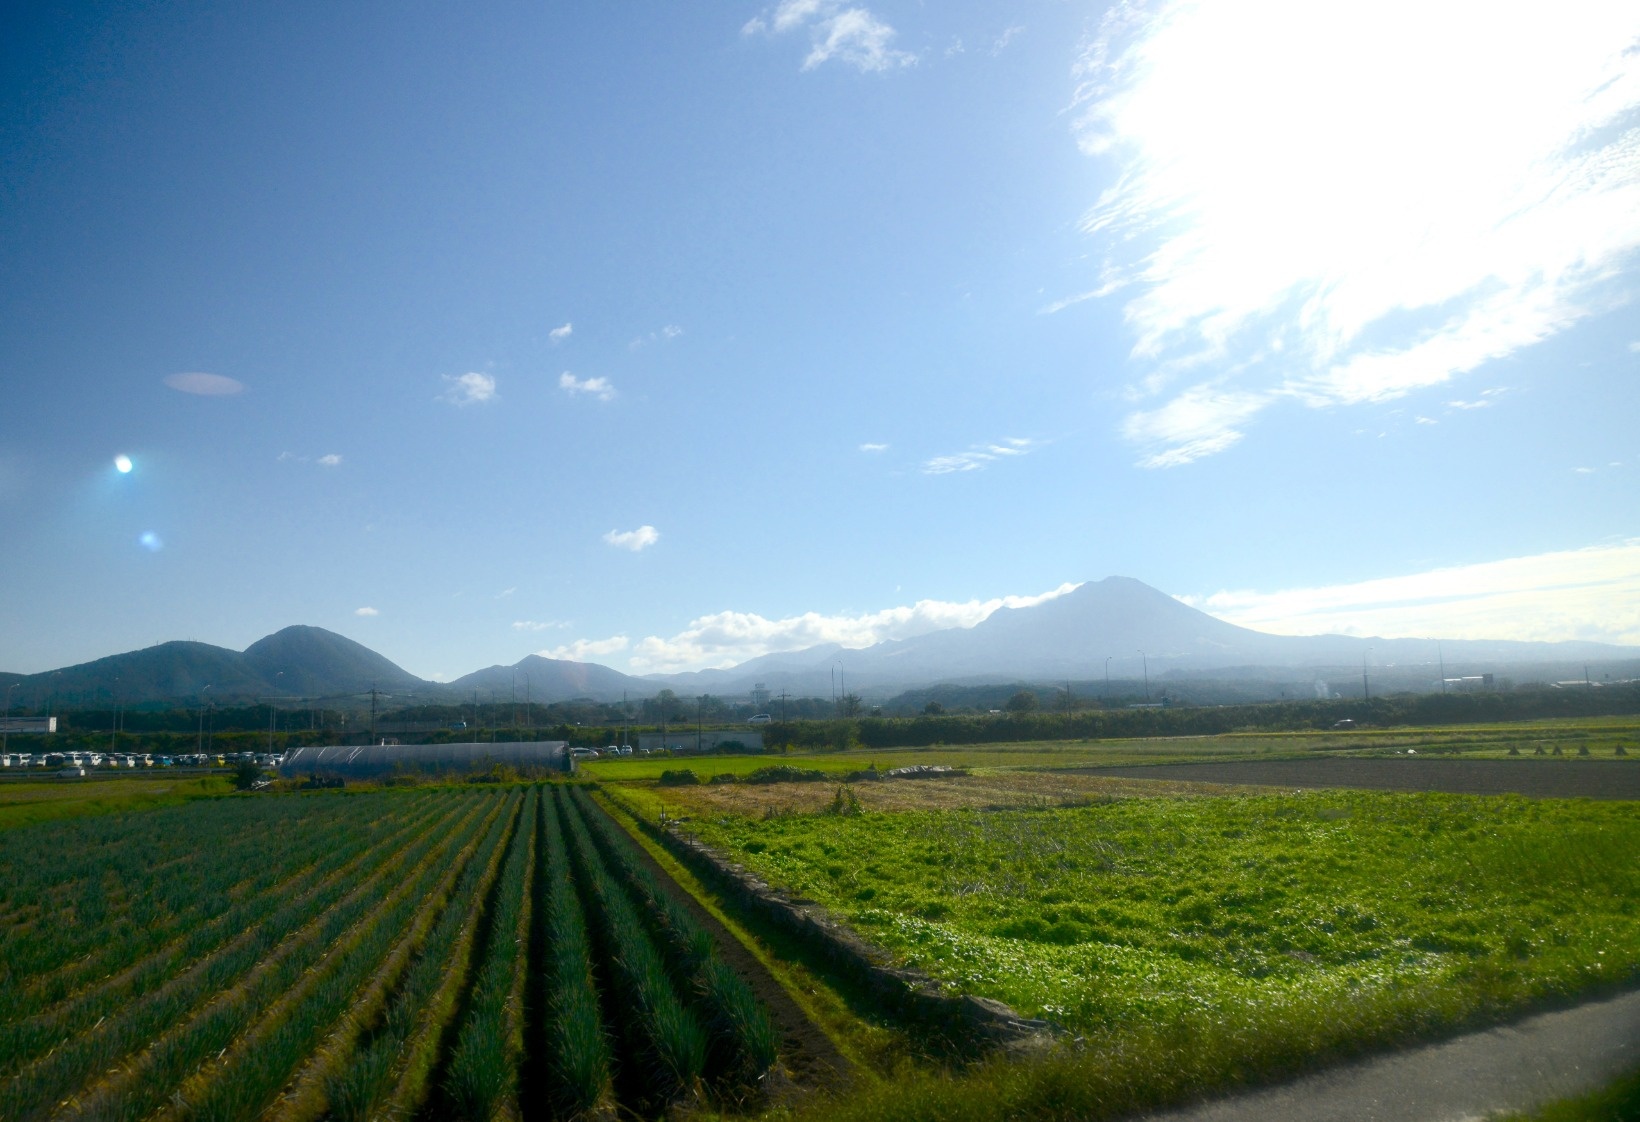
(997, 790)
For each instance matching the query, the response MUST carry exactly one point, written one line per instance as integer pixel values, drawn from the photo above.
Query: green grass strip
(674, 1041)
(576, 1049)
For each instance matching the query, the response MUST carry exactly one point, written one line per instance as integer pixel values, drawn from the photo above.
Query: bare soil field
(1539, 779)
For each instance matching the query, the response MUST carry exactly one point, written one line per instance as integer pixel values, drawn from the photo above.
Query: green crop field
(1234, 937)
(442, 953)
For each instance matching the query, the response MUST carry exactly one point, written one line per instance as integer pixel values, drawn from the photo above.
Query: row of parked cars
(79, 763)
(606, 752)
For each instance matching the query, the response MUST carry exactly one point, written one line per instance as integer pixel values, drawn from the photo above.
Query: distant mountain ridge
(1117, 624)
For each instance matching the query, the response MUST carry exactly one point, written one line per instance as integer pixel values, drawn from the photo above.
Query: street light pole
(5, 735)
(1146, 661)
(1107, 679)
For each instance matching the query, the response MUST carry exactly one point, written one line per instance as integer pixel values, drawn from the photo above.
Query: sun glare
(1359, 200)
(122, 464)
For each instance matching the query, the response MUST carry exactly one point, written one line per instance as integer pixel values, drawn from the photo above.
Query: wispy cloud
(1315, 236)
(635, 540)
(599, 388)
(727, 638)
(664, 335)
(538, 624)
(1005, 38)
(585, 650)
(873, 447)
(1591, 594)
(851, 35)
(978, 457)
(559, 334)
(205, 385)
(468, 389)
(366, 612)
(330, 460)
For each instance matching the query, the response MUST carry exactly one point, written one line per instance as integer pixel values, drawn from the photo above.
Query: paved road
(1514, 1068)
(1560, 779)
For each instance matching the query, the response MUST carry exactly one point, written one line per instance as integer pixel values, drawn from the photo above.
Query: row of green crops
(245, 927)
(434, 954)
(742, 1039)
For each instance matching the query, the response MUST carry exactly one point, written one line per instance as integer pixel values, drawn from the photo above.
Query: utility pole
(1107, 679)
(1146, 659)
(372, 714)
(1366, 694)
(1442, 659)
(783, 696)
(5, 738)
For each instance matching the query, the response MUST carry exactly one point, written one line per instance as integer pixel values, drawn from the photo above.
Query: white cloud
(1198, 422)
(1004, 39)
(1634, 347)
(1591, 594)
(1584, 471)
(559, 334)
(978, 457)
(1334, 204)
(1423, 420)
(599, 388)
(873, 447)
(635, 540)
(1469, 404)
(729, 638)
(538, 624)
(848, 34)
(468, 389)
(330, 460)
(664, 335)
(206, 385)
(585, 650)
(366, 612)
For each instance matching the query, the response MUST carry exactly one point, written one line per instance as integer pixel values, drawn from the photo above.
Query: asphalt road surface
(1514, 1068)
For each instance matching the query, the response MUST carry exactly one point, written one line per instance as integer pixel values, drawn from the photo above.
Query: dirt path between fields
(1540, 779)
(1512, 1068)
(811, 1060)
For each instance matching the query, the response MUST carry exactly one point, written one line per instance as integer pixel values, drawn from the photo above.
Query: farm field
(439, 953)
(28, 799)
(1601, 736)
(1200, 942)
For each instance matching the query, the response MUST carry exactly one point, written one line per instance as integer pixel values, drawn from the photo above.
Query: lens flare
(150, 541)
(122, 464)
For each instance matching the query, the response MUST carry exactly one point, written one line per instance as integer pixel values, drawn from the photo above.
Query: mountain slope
(545, 680)
(311, 661)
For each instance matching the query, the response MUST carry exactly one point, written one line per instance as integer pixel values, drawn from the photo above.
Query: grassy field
(23, 802)
(1200, 942)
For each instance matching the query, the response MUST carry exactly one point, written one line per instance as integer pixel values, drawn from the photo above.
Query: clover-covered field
(1296, 924)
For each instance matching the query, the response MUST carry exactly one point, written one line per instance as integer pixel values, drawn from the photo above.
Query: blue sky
(669, 335)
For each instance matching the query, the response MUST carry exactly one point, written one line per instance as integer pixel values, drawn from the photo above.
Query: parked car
(759, 719)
